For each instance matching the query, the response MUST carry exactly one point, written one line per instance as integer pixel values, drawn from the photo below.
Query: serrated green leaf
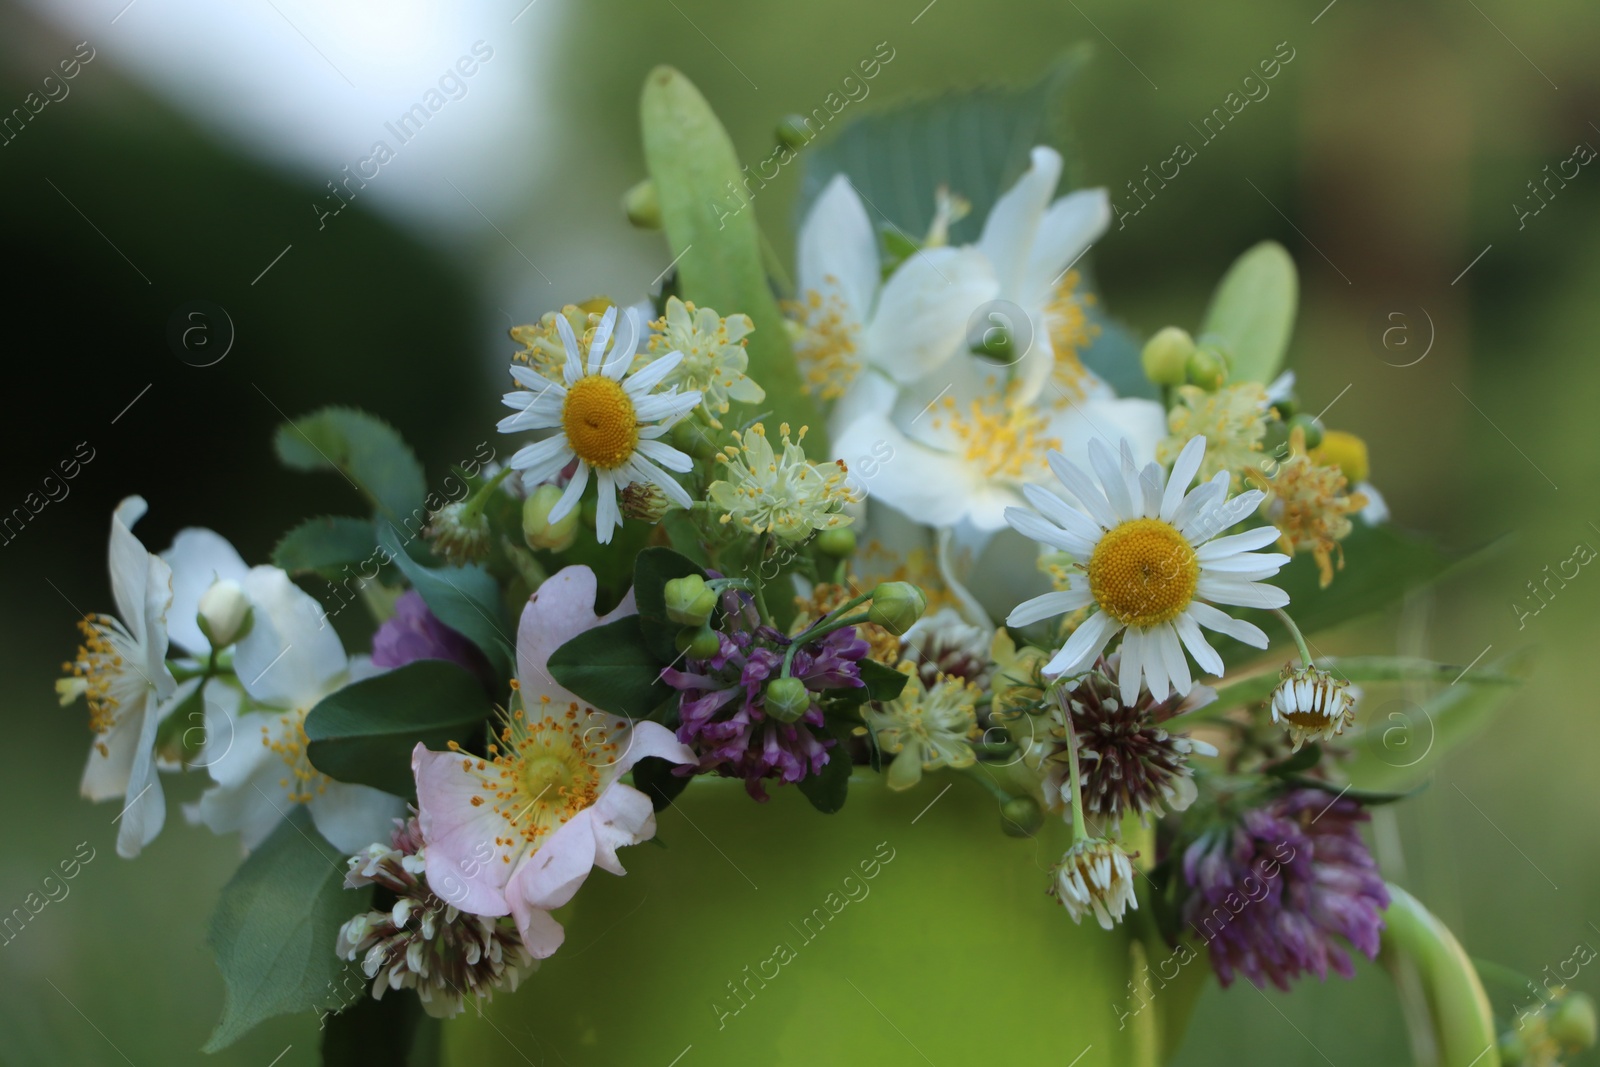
(612, 668)
(325, 545)
(713, 236)
(976, 142)
(1253, 311)
(394, 1030)
(466, 599)
(275, 927)
(363, 448)
(652, 570)
(364, 733)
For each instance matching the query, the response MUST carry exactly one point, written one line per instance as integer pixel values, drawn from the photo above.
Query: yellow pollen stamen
(1143, 573)
(1067, 318)
(826, 349)
(305, 782)
(1003, 439)
(600, 422)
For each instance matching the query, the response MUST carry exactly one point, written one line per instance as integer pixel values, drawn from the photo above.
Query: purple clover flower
(1271, 896)
(413, 632)
(721, 714)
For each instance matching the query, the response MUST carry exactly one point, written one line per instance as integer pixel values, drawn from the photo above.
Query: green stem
(1080, 828)
(476, 502)
(822, 629)
(1299, 638)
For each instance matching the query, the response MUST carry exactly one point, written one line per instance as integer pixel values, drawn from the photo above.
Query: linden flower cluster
(714, 359)
(783, 494)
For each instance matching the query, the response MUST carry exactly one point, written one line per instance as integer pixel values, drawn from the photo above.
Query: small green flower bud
(1166, 355)
(896, 606)
(1021, 817)
(838, 543)
(689, 600)
(1275, 441)
(643, 206)
(1207, 368)
(787, 699)
(1312, 428)
(1573, 1022)
(794, 131)
(689, 437)
(538, 530)
(224, 615)
(459, 532)
(1513, 1050)
(698, 644)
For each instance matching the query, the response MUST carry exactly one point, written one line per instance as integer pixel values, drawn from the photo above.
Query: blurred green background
(1390, 158)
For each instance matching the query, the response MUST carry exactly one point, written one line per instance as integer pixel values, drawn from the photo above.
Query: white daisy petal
(1223, 623)
(1248, 541)
(1196, 643)
(607, 517)
(1038, 528)
(1246, 566)
(1199, 504)
(542, 460)
(1085, 644)
(649, 376)
(1150, 487)
(1241, 594)
(572, 494)
(643, 470)
(602, 334)
(537, 383)
(1171, 651)
(1063, 514)
(667, 456)
(1110, 475)
(1155, 666)
(1130, 670)
(572, 370)
(1047, 605)
(1081, 486)
(1184, 468)
(669, 405)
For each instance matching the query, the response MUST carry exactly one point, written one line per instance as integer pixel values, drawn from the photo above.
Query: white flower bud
(224, 615)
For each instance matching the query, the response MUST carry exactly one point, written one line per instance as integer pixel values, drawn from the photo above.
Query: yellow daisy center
(599, 419)
(1143, 573)
(1004, 440)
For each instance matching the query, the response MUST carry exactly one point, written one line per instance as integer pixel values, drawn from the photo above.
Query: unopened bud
(224, 613)
(1309, 426)
(787, 699)
(794, 131)
(1166, 355)
(538, 530)
(1573, 1022)
(896, 606)
(689, 600)
(459, 532)
(643, 206)
(1207, 368)
(838, 543)
(698, 644)
(644, 502)
(1021, 817)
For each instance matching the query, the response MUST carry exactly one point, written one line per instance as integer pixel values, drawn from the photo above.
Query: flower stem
(822, 629)
(1299, 638)
(1080, 828)
(476, 502)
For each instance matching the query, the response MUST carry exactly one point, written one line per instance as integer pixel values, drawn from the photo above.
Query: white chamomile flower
(1148, 564)
(610, 421)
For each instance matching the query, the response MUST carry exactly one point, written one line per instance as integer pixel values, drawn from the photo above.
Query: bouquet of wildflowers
(912, 508)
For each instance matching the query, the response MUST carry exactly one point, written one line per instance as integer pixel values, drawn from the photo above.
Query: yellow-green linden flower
(714, 359)
(1233, 420)
(784, 494)
(926, 728)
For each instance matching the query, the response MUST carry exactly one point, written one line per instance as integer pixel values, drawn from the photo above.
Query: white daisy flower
(610, 421)
(1147, 562)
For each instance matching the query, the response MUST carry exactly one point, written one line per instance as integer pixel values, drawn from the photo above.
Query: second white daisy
(1147, 561)
(608, 420)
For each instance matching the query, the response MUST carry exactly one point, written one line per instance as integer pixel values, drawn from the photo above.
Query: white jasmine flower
(1148, 563)
(608, 420)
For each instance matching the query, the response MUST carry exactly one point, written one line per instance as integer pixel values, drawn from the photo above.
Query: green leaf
(713, 236)
(652, 570)
(394, 1030)
(828, 790)
(1454, 1009)
(275, 927)
(1370, 798)
(466, 599)
(366, 450)
(883, 683)
(1382, 564)
(612, 668)
(653, 777)
(325, 545)
(1402, 742)
(1253, 311)
(364, 733)
(975, 142)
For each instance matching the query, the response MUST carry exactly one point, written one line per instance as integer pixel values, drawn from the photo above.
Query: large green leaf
(1382, 564)
(975, 142)
(275, 928)
(466, 599)
(364, 733)
(612, 668)
(366, 450)
(326, 544)
(652, 570)
(1455, 1010)
(713, 236)
(1253, 310)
